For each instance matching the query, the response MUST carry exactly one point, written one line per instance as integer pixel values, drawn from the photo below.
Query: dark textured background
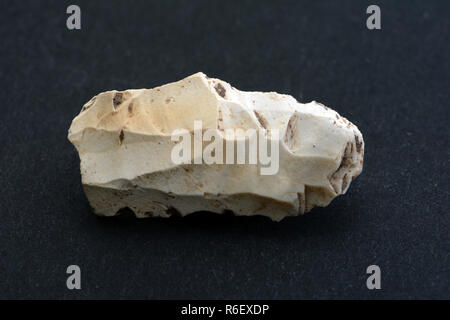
(393, 84)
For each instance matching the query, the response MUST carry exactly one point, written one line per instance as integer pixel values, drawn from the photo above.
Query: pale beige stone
(124, 142)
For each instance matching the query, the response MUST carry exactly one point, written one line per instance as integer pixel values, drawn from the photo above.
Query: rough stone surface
(124, 143)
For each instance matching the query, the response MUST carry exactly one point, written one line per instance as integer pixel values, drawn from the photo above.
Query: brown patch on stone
(220, 120)
(261, 119)
(170, 195)
(130, 109)
(358, 144)
(117, 100)
(220, 90)
(289, 136)
(121, 136)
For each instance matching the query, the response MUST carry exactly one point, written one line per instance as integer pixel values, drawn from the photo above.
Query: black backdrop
(392, 83)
